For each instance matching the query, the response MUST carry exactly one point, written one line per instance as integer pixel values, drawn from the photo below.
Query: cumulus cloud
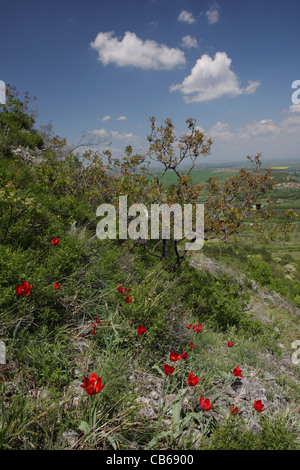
(122, 118)
(273, 139)
(106, 118)
(294, 108)
(114, 134)
(263, 128)
(189, 42)
(118, 135)
(186, 17)
(221, 131)
(212, 14)
(266, 129)
(100, 132)
(210, 79)
(133, 51)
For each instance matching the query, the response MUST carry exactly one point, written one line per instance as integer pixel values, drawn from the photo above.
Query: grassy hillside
(229, 315)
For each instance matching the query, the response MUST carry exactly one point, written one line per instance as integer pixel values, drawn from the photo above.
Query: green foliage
(16, 124)
(275, 434)
(46, 356)
(215, 299)
(260, 271)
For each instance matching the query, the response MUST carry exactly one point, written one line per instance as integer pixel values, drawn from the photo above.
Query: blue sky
(104, 67)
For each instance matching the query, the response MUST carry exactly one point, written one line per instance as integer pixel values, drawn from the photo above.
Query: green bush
(260, 271)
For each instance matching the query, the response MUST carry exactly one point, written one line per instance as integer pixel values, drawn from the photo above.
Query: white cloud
(279, 140)
(133, 51)
(294, 108)
(213, 14)
(263, 128)
(252, 87)
(186, 17)
(210, 79)
(221, 131)
(291, 125)
(122, 118)
(117, 135)
(200, 129)
(266, 129)
(100, 132)
(106, 118)
(113, 134)
(189, 42)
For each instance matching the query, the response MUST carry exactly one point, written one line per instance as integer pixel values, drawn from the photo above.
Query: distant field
(200, 176)
(286, 197)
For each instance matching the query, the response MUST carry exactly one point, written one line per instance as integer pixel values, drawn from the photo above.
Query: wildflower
(141, 330)
(56, 286)
(174, 356)
(23, 289)
(205, 404)
(184, 355)
(92, 385)
(168, 369)
(198, 328)
(189, 326)
(123, 290)
(230, 344)
(94, 325)
(258, 405)
(128, 299)
(191, 345)
(193, 380)
(234, 410)
(237, 372)
(55, 241)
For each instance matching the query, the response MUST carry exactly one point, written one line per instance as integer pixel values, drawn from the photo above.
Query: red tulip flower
(141, 330)
(258, 405)
(94, 325)
(198, 328)
(168, 369)
(189, 326)
(56, 286)
(122, 290)
(92, 385)
(191, 345)
(174, 356)
(184, 355)
(205, 404)
(128, 299)
(55, 241)
(237, 372)
(230, 344)
(234, 410)
(24, 289)
(193, 380)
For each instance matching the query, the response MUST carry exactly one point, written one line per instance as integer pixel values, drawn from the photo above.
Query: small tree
(227, 205)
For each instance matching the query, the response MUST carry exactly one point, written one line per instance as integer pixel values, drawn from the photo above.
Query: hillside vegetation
(73, 305)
